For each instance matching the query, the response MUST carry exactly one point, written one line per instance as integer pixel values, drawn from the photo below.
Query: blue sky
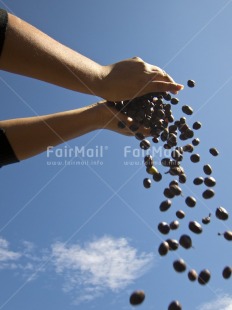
(85, 236)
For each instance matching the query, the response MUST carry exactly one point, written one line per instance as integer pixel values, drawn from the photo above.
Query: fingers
(137, 58)
(171, 87)
(161, 75)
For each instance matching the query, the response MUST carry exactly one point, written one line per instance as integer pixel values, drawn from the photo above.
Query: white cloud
(25, 262)
(7, 257)
(105, 263)
(223, 302)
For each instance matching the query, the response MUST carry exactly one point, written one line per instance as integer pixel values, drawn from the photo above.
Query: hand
(108, 118)
(132, 78)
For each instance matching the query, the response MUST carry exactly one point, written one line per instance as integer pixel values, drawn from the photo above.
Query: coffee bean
(173, 244)
(173, 182)
(208, 193)
(171, 118)
(190, 201)
(191, 83)
(176, 190)
(192, 275)
(222, 214)
(176, 171)
(196, 125)
(174, 101)
(187, 110)
(210, 181)
(195, 158)
(213, 151)
(196, 141)
(157, 177)
(189, 133)
(176, 155)
(204, 277)
(179, 265)
(180, 214)
(198, 181)
(147, 183)
(207, 169)
(152, 170)
(164, 228)
(195, 227)
(172, 129)
(137, 298)
(174, 225)
(226, 273)
(168, 193)
(206, 220)
(167, 96)
(188, 148)
(165, 205)
(139, 136)
(166, 162)
(185, 241)
(163, 248)
(148, 161)
(182, 178)
(228, 235)
(175, 305)
(145, 144)
(155, 140)
(166, 146)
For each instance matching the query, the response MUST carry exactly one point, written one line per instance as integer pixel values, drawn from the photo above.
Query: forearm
(30, 52)
(31, 136)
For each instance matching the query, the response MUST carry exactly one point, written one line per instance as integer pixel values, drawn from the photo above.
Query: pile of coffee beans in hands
(154, 112)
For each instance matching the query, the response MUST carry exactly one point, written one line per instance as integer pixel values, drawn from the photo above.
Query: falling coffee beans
(228, 235)
(204, 277)
(179, 265)
(207, 169)
(222, 214)
(147, 183)
(165, 205)
(206, 220)
(137, 298)
(163, 248)
(210, 181)
(185, 241)
(226, 273)
(192, 275)
(195, 158)
(175, 305)
(164, 228)
(208, 193)
(187, 110)
(153, 111)
(196, 125)
(190, 201)
(174, 225)
(191, 83)
(213, 151)
(173, 244)
(195, 227)
(198, 181)
(180, 214)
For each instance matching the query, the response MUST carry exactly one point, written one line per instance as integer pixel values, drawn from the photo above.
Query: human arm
(33, 135)
(30, 52)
